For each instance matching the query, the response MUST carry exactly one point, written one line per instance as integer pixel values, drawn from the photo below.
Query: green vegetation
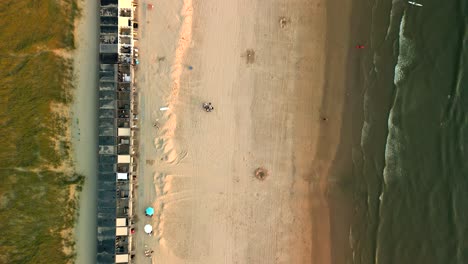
(37, 24)
(35, 201)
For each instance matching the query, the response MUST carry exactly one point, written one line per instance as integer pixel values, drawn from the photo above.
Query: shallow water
(85, 129)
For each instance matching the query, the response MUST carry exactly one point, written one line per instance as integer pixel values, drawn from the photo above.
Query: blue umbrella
(149, 211)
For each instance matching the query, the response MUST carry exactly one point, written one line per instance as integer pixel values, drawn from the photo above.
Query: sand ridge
(177, 67)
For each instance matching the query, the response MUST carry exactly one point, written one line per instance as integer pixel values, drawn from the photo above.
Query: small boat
(414, 3)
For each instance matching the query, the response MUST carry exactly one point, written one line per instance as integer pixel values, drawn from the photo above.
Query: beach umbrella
(148, 229)
(149, 211)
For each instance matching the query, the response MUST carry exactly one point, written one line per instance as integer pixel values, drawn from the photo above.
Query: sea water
(411, 169)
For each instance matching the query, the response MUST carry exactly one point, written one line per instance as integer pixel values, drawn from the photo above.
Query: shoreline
(341, 196)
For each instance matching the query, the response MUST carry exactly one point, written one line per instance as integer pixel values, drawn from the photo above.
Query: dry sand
(272, 109)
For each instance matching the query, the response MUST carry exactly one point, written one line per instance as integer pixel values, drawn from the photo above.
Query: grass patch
(35, 202)
(42, 23)
(34, 209)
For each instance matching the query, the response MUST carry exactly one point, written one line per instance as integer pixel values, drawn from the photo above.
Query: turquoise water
(410, 166)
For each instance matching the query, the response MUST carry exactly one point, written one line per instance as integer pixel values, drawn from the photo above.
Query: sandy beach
(277, 83)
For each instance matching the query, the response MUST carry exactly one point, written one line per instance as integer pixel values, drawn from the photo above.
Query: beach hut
(149, 211)
(148, 229)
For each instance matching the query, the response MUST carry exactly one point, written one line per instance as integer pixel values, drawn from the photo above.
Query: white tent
(148, 229)
(122, 176)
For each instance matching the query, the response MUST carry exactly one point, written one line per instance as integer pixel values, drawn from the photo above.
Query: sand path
(197, 168)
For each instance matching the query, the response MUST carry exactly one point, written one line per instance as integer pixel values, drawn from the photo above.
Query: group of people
(148, 253)
(208, 107)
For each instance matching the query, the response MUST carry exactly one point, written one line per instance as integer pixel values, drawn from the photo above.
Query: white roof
(121, 222)
(123, 132)
(121, 258)
(123, 21)
(121, 231)
(125, 3)
(123, 159)
(122, 176)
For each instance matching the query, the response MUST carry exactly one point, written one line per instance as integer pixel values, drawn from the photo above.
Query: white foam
(406, 53)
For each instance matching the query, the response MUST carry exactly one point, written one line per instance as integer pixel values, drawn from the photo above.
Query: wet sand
(84, 129)
(279, 108)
